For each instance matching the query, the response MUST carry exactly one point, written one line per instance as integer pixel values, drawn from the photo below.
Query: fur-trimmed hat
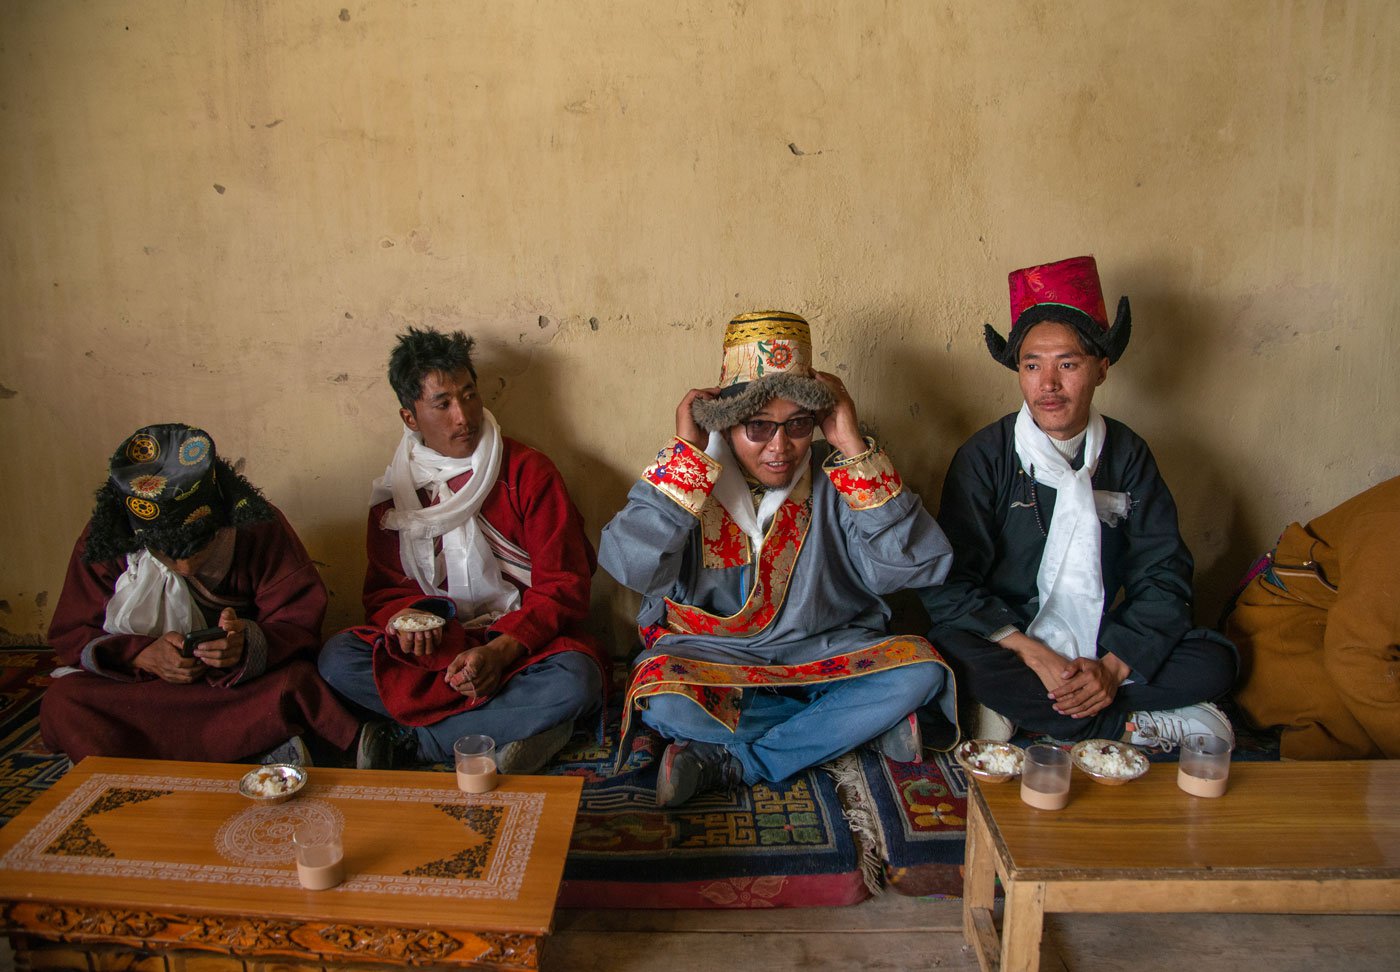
(1067, 291)
(767, 355)
(168, 491)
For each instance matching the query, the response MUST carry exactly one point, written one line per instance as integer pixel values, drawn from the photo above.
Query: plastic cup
(475, 757)
(1045, 777)
(320, 856)
(1204, 770)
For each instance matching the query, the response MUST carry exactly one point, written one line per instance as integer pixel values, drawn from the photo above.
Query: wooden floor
(893, 932)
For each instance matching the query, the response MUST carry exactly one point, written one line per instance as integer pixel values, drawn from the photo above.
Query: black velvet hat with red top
(1067, 291)
(167, 490)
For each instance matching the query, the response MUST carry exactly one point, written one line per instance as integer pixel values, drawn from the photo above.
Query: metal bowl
(273, 783)
(968, 753)
(1130, 754)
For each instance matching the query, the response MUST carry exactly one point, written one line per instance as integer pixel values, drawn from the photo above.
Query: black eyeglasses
(761, 430)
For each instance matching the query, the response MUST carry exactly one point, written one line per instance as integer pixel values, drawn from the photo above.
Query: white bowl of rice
(990, 762)
(273, 783)
(419, 622)
(1109, 761)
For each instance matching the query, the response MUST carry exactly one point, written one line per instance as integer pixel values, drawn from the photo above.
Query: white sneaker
(992, 725)
(1167, 727)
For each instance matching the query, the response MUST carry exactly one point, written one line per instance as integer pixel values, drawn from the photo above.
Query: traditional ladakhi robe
(997, 517)
(716, 619)
(1318, 626)
(998, 529)
(539, 534)
(108, 708)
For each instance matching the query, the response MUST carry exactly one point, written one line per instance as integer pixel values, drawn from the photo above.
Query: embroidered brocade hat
(767, 355)
(1067, 291)
(167, 490)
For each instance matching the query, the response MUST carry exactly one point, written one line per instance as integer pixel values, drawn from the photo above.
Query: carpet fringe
(858, 810)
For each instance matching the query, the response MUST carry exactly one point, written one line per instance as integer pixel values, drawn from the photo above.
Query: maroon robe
(233, 715)
(531, 508)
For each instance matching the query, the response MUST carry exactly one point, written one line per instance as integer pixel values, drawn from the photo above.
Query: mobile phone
(196, 638)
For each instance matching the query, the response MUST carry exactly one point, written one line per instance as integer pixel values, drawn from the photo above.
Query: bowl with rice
(988, 761)
(273, 783)
(419, 622)
(1108, 761)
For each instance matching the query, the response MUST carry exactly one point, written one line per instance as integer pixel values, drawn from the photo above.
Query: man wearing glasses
(762, 560)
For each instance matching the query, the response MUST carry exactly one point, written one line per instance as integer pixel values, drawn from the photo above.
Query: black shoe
(386, 745)
(291, 753)
(689, 768)
(902, 742)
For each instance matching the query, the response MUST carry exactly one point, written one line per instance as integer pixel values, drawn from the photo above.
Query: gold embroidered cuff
(866, 481)
(683, 473)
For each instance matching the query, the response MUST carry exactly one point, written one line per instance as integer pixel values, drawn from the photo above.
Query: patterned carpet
(759, 847)
(26, 767)
(786, 845)
(826, 837)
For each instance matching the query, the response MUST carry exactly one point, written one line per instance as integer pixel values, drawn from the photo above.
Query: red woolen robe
(112, 709)
(531, 508)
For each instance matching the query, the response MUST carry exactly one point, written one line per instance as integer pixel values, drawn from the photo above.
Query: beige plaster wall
(221, 213)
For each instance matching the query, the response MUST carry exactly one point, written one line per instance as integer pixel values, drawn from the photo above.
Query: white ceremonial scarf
(150, 599)
(732, 492)
(471, 573)
(1070, 579)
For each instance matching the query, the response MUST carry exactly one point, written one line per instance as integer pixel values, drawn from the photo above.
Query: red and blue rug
(786, 845)
(27, 768)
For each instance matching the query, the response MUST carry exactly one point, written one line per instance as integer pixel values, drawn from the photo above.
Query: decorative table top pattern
(179, 835)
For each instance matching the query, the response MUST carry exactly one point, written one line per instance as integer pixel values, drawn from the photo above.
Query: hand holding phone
(196, 638)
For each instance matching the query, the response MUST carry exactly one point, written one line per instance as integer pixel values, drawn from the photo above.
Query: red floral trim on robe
(718, 688)
(722, 543)
(683, 473)
(775, 565)
(867, 482)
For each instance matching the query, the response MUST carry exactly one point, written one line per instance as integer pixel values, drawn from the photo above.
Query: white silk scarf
(467, 571)
(150, 599)
(1070, 578)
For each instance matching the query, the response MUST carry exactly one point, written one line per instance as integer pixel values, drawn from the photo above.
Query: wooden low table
(165, 857)
(1287, 838)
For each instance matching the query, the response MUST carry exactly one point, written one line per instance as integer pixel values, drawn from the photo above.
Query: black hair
(421, 351)
(1081, 325)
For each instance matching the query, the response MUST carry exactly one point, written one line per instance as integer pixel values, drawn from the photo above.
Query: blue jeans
(783, 731)
(558, 689)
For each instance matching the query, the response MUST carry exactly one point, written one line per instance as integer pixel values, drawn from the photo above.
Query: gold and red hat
(767, 355)
(167, 490)
(1069, 292)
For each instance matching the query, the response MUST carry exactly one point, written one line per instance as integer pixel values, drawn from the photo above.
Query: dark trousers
(1200, 668)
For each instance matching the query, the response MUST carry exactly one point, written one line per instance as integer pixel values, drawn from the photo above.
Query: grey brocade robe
(867, 537)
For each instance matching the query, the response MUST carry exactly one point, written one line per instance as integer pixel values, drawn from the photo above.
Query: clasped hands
(1079, 687)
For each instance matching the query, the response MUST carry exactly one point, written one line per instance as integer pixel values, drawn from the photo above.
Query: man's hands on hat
(162, 659)
(686, 426)
(840, 425)
(477, 671)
